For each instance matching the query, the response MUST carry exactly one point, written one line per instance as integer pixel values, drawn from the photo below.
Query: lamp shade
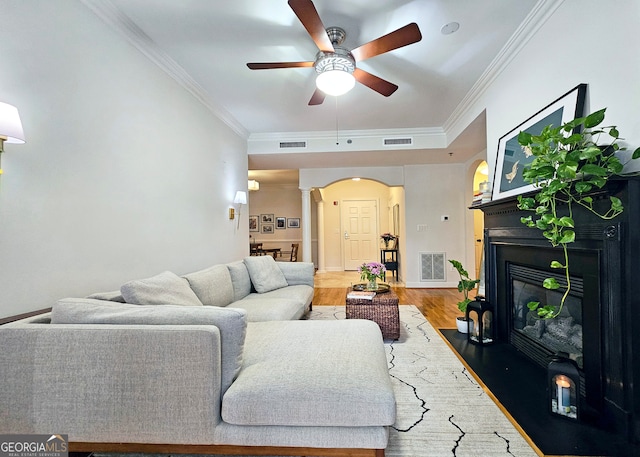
(241, 198)
(254, 185)
(10, 125)
(335, 82)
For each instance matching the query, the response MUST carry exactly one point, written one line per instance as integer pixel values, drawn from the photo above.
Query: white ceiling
(211, 42)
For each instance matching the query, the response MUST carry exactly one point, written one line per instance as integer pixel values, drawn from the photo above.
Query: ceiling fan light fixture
(335, 82)
(335, 72)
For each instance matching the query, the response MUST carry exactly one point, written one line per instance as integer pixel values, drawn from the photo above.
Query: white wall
(124, 174)
(584, 41)
(431, 192)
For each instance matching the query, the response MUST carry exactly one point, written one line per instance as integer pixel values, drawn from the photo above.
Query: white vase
(462, 325)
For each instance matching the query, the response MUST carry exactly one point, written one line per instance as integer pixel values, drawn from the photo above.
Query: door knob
(346, 235)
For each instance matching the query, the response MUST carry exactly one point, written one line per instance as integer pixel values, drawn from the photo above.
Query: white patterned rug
(442, 411)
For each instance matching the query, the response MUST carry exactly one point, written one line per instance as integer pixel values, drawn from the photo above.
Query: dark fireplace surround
(605, 267)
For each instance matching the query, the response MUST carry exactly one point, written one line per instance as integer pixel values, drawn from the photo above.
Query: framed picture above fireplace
(512, 158)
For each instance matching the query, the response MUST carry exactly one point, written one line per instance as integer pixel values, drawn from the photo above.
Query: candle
(564, 395)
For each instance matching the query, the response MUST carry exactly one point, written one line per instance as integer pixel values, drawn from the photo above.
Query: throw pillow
(265, 274)
(240, 279)
(164, 289)
(212, 285)
(110, 296)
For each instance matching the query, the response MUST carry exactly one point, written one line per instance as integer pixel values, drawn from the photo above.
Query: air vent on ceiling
(293, 144)
(398, 141)
(432, 266)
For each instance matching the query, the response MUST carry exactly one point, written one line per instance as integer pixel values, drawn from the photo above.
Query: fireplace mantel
(606, 256)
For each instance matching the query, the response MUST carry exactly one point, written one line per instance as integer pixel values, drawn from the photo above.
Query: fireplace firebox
(541, 337)
(595, 327)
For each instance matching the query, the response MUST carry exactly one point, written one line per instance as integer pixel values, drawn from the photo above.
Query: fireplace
(541, 337)
(595, 327)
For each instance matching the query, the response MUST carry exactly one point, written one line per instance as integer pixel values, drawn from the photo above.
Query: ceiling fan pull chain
(337, 138)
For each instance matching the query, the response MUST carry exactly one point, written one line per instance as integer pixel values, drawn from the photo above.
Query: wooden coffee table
(381, 309)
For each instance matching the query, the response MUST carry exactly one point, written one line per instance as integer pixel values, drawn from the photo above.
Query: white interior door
(360, 232)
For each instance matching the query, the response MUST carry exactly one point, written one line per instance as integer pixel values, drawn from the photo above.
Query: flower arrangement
(371, 271)
(386, 237)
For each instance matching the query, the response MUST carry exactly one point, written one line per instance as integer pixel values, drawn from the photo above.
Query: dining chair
(294, 252)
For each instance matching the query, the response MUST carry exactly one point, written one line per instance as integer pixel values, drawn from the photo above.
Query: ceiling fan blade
(308, 15)
(317, 98)
(270, 65)
(373, 82)
(404, 36)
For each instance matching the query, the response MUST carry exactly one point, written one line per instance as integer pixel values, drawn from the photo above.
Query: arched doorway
(480, 176)
(341, 221)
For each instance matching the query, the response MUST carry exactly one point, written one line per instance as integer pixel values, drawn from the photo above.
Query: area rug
(441, 409)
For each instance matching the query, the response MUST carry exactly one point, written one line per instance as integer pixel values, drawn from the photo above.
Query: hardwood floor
(437, 305)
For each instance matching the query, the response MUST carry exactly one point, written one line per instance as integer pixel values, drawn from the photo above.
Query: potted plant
(386, 238)
(568, 166)
(465, 285)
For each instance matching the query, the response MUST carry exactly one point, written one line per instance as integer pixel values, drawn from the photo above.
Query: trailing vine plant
(566, 168)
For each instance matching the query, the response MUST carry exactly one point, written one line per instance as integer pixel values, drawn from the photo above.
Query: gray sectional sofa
(242, 378)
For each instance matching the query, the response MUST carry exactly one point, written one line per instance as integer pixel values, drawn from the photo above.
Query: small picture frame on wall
(267, 229)
(293, 222)
(281, 223)
(253, 224)
(266, 218)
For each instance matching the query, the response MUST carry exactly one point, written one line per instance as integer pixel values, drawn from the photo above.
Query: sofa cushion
(270, 309)
(301, 294)
(288, 379)
(240, 279)
(265, 274)
(212, 285)
(298, 273)
(163, 289)
(231, 322)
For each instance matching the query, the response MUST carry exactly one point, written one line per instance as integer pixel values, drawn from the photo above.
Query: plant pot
(462, 324)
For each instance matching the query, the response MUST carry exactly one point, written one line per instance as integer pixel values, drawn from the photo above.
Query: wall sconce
(254, 185)
(240, 199)
(10, 127)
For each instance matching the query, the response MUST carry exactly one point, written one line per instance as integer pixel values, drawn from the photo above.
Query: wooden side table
(389, 258)
(382, 309)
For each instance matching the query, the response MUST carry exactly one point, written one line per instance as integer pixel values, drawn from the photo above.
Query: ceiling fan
(333, 60)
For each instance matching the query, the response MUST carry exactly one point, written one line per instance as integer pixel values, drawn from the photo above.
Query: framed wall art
(293, 222)
(266, 229)
(253, 224)
(266, 219)
(511, 158)
(281, 223)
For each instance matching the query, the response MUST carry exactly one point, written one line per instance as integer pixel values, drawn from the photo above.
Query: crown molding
(529, 27)
(455, 124)
(122, 24)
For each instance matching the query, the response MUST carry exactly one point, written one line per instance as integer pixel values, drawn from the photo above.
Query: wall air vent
(398, 141)
(432, 266)
(293, 144)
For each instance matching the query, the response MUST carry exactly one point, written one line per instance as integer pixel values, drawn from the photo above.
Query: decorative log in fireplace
(597, 328)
